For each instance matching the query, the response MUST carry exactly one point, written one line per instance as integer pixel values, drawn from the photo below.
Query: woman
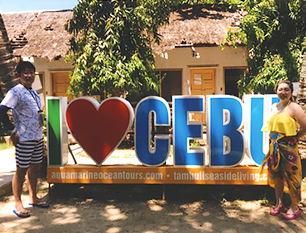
(284, 162)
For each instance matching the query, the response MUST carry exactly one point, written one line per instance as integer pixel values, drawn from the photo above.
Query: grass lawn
(4, 146)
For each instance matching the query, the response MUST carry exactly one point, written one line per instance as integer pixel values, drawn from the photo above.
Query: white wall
(45, 67)
(179, 58)
(213, 57)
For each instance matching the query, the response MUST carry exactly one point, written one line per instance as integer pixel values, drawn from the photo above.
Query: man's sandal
(22, 214)
(40, 204)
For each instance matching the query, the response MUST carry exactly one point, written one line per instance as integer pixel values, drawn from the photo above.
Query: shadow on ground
(128, 208)
(139, 192)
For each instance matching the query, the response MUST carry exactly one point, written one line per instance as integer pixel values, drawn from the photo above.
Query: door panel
(202, 83)
(60, 84)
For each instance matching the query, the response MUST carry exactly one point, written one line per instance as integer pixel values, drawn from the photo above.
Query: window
(171, 84)
(231, 78)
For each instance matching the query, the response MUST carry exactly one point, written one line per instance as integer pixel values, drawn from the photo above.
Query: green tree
(111, 45)
(274, 32)
(8, 62)
(231, 3)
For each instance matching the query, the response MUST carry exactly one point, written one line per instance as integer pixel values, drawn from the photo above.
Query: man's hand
(15, 138)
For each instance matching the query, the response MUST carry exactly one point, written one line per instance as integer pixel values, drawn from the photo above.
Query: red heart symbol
(99, 129)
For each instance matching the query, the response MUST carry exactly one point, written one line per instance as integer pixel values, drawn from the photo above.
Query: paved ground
(139, 208)
(7, 168)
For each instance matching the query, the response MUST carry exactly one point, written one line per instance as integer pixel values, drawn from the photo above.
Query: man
(26, 135)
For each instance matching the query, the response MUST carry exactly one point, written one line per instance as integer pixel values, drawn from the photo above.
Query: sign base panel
(138, 174)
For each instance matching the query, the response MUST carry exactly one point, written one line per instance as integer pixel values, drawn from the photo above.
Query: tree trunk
(8, 77)
(301, 100)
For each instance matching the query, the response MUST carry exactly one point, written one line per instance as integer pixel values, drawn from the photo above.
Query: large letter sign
(160, 108)
(233, 130)
(257, 108)
(184, 130)
(225, 139)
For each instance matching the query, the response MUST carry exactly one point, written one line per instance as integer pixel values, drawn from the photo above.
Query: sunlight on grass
(44, 190)
(4, 146)
(238, 202)
(265, 202)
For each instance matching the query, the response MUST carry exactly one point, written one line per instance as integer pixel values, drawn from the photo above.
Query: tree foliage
(274, 32)
(232, 3)
(111, 46)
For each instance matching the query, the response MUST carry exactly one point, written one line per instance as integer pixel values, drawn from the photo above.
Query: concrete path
(7, 168)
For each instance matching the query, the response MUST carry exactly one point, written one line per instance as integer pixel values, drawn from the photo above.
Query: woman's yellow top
(281, 123)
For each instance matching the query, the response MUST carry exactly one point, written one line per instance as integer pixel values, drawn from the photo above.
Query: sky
(11, 6)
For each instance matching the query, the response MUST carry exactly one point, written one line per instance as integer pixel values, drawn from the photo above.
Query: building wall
(178, 59)
(46, 67)
(212, 57)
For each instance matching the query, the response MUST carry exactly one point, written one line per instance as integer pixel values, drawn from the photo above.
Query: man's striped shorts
(29, 152)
